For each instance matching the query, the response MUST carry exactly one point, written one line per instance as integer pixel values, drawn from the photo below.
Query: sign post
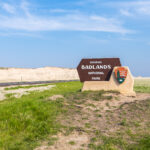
(105, 74)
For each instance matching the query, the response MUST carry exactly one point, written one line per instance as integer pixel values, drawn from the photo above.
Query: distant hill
(37, 74)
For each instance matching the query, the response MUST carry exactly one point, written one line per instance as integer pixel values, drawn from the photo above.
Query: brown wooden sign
(97, 69)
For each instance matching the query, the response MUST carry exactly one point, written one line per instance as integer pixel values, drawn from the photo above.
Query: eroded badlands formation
(39, 74)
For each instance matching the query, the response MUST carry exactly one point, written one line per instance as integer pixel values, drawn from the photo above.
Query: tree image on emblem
(119, 78)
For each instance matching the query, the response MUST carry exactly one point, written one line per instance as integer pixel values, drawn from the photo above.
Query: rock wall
(39, 74)
(125, 88)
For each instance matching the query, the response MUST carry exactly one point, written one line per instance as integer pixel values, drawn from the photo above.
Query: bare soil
(19, 92)
(55, 97)
(96, 115)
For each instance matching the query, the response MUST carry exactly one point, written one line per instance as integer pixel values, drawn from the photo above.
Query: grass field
(142, 85)
(31, 118)
(27, 121)
(142, 82)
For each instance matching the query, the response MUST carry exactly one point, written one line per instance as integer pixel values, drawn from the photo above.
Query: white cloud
(8, 8)
(125, 12)
(95, 40)
(67, 21)
(24, 6)
(141, 7)
(63, 11)
(58, 10)
(84, 2)
(144, 10)
(148, 43)
(134, 3)
(6, 34)
(132, 8)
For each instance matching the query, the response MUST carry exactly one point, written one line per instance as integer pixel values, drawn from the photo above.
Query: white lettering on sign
(89, 67)
(95, 62)
(96, 78)
(97, 73)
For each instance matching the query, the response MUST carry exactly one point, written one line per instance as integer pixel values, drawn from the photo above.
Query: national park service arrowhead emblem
(121, 74)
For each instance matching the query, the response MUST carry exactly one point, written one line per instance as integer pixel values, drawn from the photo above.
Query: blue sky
(38, 33)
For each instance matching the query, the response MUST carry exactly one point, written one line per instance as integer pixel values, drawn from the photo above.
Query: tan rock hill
(38, 74)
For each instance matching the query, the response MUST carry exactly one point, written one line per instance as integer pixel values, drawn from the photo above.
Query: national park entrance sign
(97, 69)
(105, 74)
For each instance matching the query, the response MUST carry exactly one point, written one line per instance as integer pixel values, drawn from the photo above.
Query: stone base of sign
(125, 88)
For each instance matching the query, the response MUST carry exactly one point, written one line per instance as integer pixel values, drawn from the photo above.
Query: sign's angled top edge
(86, 59)
(102, 58)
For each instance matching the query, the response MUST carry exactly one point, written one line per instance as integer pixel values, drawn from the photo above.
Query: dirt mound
(55, 97)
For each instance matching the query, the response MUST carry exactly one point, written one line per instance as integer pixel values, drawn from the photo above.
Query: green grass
(72, 143)
(142, 89)
(25, 87)
(10, 95)
(142, 85)
(143, 144)
(142, 82)
(25, 121)
(116, 143)
(107, 143)
(130, 135)
(52, 141)
(123, 122)
(87, 125)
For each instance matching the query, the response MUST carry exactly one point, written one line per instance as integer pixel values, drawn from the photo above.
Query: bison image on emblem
(121, 74)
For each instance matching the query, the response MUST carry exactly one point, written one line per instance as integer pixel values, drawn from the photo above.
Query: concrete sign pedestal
(126, 88)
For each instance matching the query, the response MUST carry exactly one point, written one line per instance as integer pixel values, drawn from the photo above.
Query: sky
(39, 33)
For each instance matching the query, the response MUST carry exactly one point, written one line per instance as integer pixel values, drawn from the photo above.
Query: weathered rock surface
(39, 74)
